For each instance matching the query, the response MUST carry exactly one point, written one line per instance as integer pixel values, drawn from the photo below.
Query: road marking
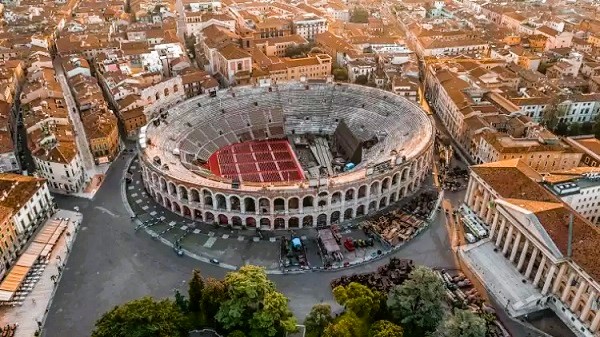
(130, 187)
(211, 234)
(196, 231)
(104, 210)
(183, 228)
(153, 213)
(272, 239)
(241, 238)
(145, 207)
(139, 201)
(172, 223)
(210, 242)
(134, 195)
(225, 236)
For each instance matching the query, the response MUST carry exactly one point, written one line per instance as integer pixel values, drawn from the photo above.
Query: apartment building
(25, 203)
(309, 25)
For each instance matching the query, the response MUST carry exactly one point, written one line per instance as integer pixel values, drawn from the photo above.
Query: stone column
(561, 273)
(484, 204)
(494, 225)
(548, 281)
(580, 290)
(566, 291)
(488, 217)
(228, 204)
(531, 262)
(588, 306)
(470, 188)
(523, 255)
(595, 322)
(508, 239)
(501, 232)
(540, 270)
(515, 247)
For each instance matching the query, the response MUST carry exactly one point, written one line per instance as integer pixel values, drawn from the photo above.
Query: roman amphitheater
(287, 156)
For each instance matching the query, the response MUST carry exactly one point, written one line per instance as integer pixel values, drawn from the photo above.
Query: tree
(359, 15)
(317, 320)
(587, 128)
(195, 288)
(561, 128)
(551, 115)
(575, 129)
(361, 79)
(347, 325)
(236, 333)
(143, 317)
(359, 299)
(340, 74)
(463, 323)
(253, 305)
(417, 303)
(213, 294)
(181, 301)
(385, 329)
(597, 130)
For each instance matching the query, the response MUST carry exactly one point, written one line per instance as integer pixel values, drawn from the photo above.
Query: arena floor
(257, 161)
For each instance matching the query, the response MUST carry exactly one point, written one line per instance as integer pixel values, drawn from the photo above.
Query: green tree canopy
(385, 329)
(417, 303)
(195, 288)
(340, 74)
(253, 305)
(317, 320)
(359, 299)
(361, 79)
(347, 325)
(463, 323)
(213, 294)
(236, 333)
(143, 317)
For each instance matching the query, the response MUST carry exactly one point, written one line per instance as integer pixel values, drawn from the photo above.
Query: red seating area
(257, 161)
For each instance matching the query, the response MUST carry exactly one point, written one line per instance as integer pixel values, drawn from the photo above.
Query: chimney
(570, 242)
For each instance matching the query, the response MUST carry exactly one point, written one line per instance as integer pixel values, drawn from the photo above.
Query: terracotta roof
(525, 190)
(232, 52)
(18, 189)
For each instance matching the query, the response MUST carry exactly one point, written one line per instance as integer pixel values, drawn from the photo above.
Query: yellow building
(102, 131)
(289, 69)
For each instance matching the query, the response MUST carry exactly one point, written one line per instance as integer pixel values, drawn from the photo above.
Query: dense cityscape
(311, 168)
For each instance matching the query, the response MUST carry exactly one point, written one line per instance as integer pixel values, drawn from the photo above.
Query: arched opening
(402, 192)
(395, 179)
(264, 206)
(235, 203)
(195, 195)
(163, 185)
(382, 202)
(167, 203)
(323, 194)
(404, 174)
(385, 185)
(166, 92)
(236, 221)
(349, 195)
(322, 203)
(223, 220)
(372, 206)
(293, 222)
(250, 205)
(176, 208)
(221, 202)
(374, 188)
(279, 223)
(308, 201)
(336, 198)
(360, 211)
(187, 212)
(279, 204)
(307, 221)
(172, 189)
(250, 222)
(265, 223)
(208, 200)
(335, 217)
(183, 193)
(322, 220)
(393, 197)
(362, 192)
(198, 215)
(293, 203)
(209, 217)
(348, 214)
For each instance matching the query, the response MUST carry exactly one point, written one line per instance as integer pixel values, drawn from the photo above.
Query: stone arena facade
(172, 178)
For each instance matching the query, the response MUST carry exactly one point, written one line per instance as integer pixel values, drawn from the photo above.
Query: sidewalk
(30, 316)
